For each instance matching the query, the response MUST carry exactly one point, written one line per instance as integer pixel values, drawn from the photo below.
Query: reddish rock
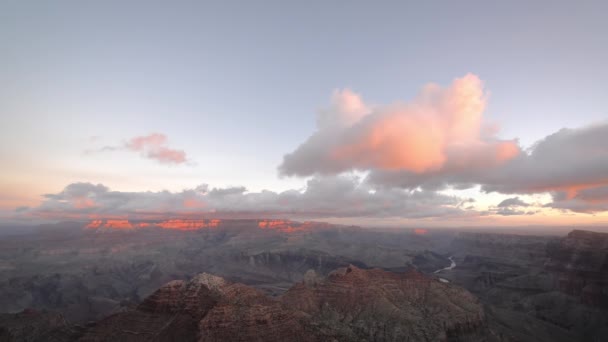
(352, 304)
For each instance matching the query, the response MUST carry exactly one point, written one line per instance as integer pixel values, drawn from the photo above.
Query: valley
(525, 287)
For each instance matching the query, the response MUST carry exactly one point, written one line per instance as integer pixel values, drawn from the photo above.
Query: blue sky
(237, 85)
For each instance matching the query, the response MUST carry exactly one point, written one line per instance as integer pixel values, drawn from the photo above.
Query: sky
(391, 113)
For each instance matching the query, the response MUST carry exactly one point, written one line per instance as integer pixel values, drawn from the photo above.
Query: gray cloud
(571, 165)
(590, 200)
(512, 202)
(338, 196)
(439, 140)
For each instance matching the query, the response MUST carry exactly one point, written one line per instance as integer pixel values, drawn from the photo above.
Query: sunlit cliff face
(420, 231)
(189, 224)
(280, 225)
(177, 224)
(116, 224)
(285, 226)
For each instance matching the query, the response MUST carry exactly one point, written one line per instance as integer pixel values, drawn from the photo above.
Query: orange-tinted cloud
(421, 231)
(440, 140)
(154, 146)
(441, 128)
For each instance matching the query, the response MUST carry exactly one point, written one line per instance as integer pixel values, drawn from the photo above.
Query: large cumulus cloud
(337, 196)
(571, 165)
(440, 130)
(440, 140)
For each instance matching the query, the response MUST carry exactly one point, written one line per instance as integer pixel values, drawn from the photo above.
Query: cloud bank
(440, 140)
(336, 196)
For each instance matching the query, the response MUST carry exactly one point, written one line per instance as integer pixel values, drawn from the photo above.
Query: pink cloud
(153, 140)
(154, 146)
(441, 128)
(167, 155)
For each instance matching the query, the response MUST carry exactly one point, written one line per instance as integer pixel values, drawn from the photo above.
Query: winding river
(452, 265)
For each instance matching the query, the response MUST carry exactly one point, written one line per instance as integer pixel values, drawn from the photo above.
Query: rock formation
(581, 263)
(352, 304)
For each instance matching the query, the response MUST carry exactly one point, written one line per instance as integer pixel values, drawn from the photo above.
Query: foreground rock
(36, 326)
(352, 304)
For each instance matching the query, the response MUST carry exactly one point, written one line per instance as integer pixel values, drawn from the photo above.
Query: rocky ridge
(351, 304)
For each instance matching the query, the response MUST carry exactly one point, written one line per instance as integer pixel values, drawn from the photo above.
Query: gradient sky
(238, 85)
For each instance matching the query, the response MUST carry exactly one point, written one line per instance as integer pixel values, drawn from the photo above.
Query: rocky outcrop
(580, 262)
(351, 304)
(375, 305)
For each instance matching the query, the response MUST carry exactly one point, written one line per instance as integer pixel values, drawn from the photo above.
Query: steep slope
(580, 261)
(375, 305)
(352, 304)
(537, 288)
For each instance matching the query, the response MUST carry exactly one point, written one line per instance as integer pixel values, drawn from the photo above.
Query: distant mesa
(116, 224)
(285, 226)
(189, 224)
(177, 224)
(421, 231)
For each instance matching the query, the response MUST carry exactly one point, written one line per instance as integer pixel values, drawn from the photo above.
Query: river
(452, 265)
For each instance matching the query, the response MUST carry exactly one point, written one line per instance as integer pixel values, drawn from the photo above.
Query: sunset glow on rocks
(279, 225)
(189, 224)
(176, 224)
(421, 231)
(287, 226)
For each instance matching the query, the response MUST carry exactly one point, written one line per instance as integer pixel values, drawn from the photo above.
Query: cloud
(590, 200)
(335, 197)
(508, 212)
(511, 207)
(568, 161)
(439, 140)
(21, 209)
(440, 130)
(571, 165)
(152, 146)
(512, 202)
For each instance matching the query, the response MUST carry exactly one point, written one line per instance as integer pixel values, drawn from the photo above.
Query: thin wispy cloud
(153, 146)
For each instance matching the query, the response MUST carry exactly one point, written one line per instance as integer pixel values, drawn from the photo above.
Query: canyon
(303, 281)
